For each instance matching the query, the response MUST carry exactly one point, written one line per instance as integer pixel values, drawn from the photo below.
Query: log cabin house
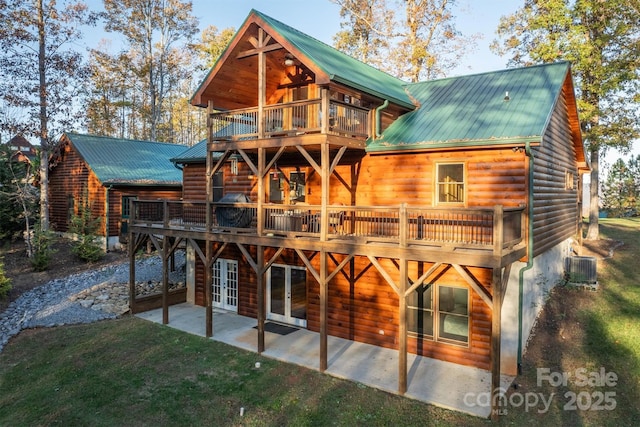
(106, 174)
(431, 217)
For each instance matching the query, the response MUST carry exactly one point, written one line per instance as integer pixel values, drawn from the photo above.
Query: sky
(321, 19)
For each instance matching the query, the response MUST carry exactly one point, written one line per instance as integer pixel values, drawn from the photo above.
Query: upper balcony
(487, 235)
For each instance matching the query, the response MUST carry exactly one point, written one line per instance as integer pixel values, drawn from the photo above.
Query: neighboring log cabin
(106, 174)
(431, 217)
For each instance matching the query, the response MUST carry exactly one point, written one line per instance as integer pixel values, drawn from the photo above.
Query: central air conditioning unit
(582, 271)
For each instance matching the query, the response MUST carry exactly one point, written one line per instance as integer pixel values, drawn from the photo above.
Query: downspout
(529, 265)
(379, 109)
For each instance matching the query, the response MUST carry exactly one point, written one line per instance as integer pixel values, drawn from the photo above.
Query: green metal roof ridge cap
(127, 140)
(564, 62)
(372, 147)
(145, 184)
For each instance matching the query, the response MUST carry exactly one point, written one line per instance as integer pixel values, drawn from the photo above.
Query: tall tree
(411, 39)
(367, 27)
(154, 29)
(602, 41)
(212, 44)
(621, 189)
(41, 73)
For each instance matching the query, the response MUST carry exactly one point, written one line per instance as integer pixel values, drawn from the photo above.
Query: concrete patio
(444, 384)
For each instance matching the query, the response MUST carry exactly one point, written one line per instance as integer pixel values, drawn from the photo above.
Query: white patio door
(287, 294)
(225, 284)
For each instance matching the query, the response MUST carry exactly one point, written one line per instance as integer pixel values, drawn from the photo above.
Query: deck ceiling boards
(472, 110)
(233, 82)
(126, 161)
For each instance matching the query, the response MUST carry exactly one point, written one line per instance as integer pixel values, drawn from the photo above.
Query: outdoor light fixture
(234, 164)
(288, 60)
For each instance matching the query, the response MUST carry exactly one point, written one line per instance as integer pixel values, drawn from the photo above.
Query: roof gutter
(529, 264)
(379, 109)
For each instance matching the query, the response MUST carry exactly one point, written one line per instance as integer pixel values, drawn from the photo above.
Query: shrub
(87, 247)
(42, 251)
(5, 282)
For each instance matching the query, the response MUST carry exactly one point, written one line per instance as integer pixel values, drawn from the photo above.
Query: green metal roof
(472, 110)
(196, 154)
(126, 161)
(340, 67)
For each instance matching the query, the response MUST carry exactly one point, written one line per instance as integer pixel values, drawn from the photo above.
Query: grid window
(450, 183)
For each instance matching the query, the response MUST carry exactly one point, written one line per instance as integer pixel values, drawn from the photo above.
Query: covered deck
(444, 384)
(491, 237)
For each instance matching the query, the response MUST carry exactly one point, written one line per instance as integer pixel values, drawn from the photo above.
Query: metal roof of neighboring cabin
(475, 110)
(127, 161)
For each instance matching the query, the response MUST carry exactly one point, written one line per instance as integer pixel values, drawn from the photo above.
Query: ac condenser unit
(581, 270)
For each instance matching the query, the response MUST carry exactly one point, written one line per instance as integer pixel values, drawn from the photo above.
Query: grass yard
(131, 372)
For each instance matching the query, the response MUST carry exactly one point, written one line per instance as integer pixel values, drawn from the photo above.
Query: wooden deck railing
(494, 229)
(289, 119)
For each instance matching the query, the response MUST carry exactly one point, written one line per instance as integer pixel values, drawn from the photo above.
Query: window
(217, 186)
(569, 181)
(276, 187)
(443, 317)
(453, 314)
(450, 185)
(126, 206)
(71, 210)
(297, 187)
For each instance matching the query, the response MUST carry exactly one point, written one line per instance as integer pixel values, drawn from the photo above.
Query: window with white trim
(450, 183)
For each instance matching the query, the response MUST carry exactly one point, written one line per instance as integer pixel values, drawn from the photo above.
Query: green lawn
(132, 372)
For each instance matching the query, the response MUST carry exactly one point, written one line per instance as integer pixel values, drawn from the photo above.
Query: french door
(287, 294)
(225, 284)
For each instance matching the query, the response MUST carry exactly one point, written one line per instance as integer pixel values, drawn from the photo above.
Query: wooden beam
(248, 161)
(402, 328)
(307, 263)
(310, 159)
(208, 296)
(340, 267)
(258, 50)
(505, 279)
(422, 278)
(323, 311)
(254, 264)
(496, 320)
(165, 281)
(480, 290)
(337, 158)
(260, 283)
(132, 271)
(384, 274)
(273, 160)
(273, 259)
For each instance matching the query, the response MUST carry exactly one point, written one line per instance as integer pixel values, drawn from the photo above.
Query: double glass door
(225, 284)
(287, 294)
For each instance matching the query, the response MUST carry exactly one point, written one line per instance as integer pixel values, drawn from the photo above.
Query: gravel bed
(52, 304)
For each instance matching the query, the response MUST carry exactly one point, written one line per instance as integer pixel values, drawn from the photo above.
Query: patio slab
(439, 383)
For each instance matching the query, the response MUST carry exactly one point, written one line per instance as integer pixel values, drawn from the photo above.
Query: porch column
(165, 280)
(261, 300)
(496, 320)
(323, 311)
(208, 297)
(324, 194)
(402, 330)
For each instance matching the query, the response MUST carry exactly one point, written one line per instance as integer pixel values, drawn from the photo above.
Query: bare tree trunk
(593, 231)
(44, 136)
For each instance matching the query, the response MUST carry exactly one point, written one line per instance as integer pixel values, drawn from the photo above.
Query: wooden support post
(208, 283)
(324, 192)
(402, 331)
(323, 311)
(261, 192)
(165, 280)
(132, 273)
(498, 230)
(324, 105)
(496, 319)
(261, 297)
